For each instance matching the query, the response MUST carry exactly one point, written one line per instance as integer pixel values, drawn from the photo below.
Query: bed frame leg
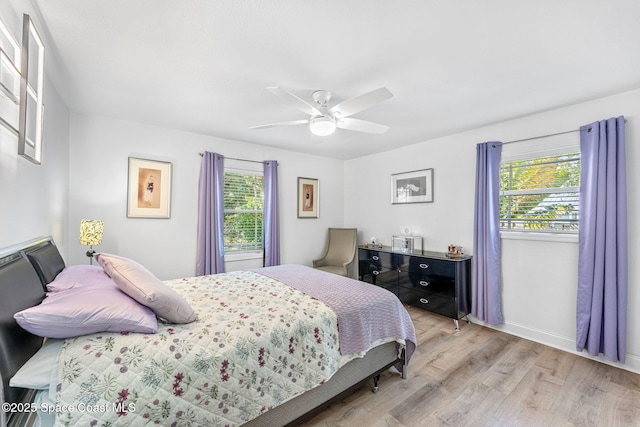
(375, 387)
(405, 367)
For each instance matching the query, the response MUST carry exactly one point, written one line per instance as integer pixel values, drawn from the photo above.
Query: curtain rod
(542, 136)
(548, 135)
(241, 160)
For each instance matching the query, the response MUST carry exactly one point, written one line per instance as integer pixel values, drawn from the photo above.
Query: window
(21, 90)
(541, 194)
(9, 80)
(540, 185)
(243, 201)
(31, 93)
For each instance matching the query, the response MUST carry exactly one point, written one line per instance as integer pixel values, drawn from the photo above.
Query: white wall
(34, 199)
(539, 277)
(100, 148)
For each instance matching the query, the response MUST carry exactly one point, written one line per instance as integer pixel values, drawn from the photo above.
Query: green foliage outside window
(541, 194)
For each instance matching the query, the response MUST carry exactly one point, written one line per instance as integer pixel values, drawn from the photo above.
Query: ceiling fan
(324, 119)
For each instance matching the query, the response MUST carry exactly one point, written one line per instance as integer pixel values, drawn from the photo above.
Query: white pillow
(42, 369)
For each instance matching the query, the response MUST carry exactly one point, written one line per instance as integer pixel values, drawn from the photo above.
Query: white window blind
(542, 147)
(243, 210)
(540, 185)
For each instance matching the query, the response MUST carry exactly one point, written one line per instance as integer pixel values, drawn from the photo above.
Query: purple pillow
(85, 310)
(141, 285)
(76, 276)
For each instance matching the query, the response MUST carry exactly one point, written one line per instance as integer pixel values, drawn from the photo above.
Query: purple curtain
(271, 226)
(601, 316)
(486, 300)
(210, 253)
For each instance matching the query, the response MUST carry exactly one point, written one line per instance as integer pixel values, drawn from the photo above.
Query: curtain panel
(271, 228)
(486, 298)
(210, 238)
(601, 317)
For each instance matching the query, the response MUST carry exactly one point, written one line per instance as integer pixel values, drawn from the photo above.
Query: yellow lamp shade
(91, 231)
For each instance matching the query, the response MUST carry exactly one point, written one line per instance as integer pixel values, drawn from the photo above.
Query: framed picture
(149, 190)
(308, 198)
(412, 187)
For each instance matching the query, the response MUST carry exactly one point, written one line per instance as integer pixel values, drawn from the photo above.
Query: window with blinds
(541, 194)
(243, 201)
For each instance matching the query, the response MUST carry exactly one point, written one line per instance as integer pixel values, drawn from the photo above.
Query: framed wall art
(149, 189)
(308, 198)
(412, 187)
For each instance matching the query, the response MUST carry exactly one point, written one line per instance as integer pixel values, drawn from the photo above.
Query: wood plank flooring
(482, 377)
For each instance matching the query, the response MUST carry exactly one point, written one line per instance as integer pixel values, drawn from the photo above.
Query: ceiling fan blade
(360, 103)
(361, 126)
(272, 125)
(295, 100)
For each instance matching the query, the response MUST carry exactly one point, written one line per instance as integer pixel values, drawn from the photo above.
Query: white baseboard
(631, 364)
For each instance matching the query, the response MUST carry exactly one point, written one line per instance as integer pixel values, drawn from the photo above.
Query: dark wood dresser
(429, 280)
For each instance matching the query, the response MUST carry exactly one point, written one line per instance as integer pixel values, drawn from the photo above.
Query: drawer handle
(423, 283)
(424, 300)
(424, 265)
(375, 258)
(376, 272)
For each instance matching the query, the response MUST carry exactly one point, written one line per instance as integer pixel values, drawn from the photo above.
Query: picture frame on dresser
(149, 189)
(412, 187)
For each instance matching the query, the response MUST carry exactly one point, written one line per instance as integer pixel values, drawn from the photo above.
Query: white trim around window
(541, 237)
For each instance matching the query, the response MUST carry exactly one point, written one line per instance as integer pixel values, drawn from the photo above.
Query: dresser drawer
(428, 301)
(431, 267)
(380, 276)
(380, 258)
(440, 285)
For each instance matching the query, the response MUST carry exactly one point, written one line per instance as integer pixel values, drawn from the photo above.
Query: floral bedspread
(256, 344)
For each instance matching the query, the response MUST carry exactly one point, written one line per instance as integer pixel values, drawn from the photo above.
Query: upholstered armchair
(340, 252)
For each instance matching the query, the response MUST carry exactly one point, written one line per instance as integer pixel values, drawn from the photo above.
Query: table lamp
(91, 234)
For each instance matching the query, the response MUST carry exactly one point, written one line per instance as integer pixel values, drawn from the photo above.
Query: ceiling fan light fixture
(322, 125)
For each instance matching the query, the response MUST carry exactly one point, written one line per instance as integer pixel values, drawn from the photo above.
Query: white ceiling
(203, 65)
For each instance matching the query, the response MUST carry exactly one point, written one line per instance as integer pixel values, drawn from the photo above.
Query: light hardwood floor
(482, 377)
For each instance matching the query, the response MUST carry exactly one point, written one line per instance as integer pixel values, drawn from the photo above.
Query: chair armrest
(351, 261)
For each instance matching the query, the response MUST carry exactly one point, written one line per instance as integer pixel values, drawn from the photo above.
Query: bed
(240, 357)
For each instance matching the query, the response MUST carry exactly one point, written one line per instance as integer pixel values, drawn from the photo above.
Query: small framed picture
(149, 189)
(412, 187)
(308, 198)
